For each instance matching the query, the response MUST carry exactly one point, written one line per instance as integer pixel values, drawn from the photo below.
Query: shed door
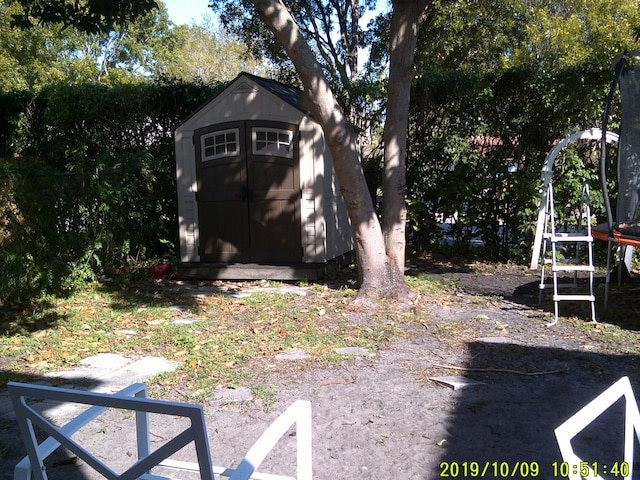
(248, 192)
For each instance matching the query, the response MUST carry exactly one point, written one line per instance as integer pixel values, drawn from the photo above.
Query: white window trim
(236, 152)
(277, 153)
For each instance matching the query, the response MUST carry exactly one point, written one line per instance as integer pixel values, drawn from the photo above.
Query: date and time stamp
(531, 469)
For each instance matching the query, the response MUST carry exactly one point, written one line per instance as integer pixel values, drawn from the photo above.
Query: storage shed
(257, 194)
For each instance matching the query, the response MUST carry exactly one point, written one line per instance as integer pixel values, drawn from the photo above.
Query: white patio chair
(134, 398)
(587, 414)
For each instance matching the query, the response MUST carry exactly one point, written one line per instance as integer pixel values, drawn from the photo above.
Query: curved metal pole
(603, 144)
(547, 173)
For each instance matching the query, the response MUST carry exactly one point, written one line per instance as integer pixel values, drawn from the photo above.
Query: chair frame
(134, 398)
(587, 414)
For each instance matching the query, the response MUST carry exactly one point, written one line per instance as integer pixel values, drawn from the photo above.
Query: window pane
(272, 141)
(220, 144)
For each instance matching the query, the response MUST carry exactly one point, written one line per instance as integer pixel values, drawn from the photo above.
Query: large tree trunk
(405, 21)
(375, 270)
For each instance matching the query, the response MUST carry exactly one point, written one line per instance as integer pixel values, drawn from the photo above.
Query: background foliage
(88, 182)
(498, 82)
(482, 169)
(87, 114)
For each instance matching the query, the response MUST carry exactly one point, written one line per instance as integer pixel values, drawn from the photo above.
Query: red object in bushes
(158, 271)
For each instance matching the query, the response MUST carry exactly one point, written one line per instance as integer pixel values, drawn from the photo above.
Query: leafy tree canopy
(47, 53)
(334, 30)
(84, 15)
(206, 54)
(149, 47)
(570, 33)
(488, 36)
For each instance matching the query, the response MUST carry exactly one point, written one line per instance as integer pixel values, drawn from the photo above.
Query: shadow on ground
(520, 285)
(512, 417)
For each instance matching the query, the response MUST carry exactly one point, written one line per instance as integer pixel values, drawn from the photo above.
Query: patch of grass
(612, 338)
(424, 284)
(227, 342)
(264, 393)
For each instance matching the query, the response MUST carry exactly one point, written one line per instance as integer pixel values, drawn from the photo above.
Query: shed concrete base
(256, 271)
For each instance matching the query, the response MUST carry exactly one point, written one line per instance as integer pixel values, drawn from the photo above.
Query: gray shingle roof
(291, 95)
(287, 93)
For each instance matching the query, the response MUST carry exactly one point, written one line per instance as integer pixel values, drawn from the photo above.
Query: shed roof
(291, 95)
(287, 93)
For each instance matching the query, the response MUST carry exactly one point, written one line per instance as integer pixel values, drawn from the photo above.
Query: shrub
(89, 183)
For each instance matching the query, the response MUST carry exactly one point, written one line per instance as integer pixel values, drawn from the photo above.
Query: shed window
(272, 141)
(223, 143)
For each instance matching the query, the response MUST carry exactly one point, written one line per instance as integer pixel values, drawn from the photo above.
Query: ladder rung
(559, 286)
(588, 298)
(577, 233)
(573, 268)
(571, 238)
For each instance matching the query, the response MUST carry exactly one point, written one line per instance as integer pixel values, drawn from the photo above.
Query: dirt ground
(381, 417)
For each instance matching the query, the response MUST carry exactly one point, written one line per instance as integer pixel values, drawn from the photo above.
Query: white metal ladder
(559, 241)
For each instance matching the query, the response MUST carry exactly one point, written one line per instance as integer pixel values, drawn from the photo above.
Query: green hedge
(88, 183)
(469, 129)
(88, 180)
